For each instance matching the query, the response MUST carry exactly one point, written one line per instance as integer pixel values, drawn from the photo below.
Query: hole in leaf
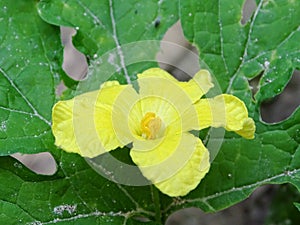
(254, 84)
(60, 89)
(40, 163)
(177, 55)
(75, 63)
(283, 105)
(248, 10)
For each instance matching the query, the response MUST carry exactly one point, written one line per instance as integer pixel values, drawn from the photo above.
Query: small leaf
(297, 205)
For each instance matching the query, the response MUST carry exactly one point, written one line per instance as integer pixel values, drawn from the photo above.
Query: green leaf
(266, 44)
(297, 205)
(118, 37)
(234, 53)
(30, 54)
(76, 194)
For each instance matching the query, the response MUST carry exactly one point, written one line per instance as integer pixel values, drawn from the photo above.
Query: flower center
(151, 126)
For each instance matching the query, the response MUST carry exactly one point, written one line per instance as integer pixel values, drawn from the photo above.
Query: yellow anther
(150, 125)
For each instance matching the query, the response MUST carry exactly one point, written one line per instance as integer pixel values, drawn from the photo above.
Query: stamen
(150, 125)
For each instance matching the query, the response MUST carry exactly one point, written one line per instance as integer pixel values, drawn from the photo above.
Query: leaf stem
(155, 197)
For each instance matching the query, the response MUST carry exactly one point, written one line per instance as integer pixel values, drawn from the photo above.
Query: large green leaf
(268, 43)
(76, 194)
(118, 37)
(30, 50)
(234, 53)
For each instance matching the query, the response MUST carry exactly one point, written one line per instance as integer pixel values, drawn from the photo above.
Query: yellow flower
(156, 120)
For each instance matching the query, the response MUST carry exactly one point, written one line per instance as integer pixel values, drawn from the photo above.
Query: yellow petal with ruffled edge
(73, 125)
(160, 84)
(248, 129)
(174, 164)
(86, 123)
(111, 114)
(189, 177)
(195, 88)
(198, 86)
(157, 72)
(225, 111)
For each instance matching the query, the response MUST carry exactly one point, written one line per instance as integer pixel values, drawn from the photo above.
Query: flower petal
(158, 73)
(198, 86)
(86, 123)
(175, 164)
(225, 111)
(195, 88)
(161, 107)
(189, 177)
(163, 94)
(158, 83)
(112, 112)
(73, 125)
(248, 129)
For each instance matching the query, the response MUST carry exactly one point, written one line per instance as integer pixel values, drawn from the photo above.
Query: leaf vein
(35, 112)
(246, 46)
(241, 188)
(221, 35)
(80, 216)
(116, 40)
(288, 37)
(96, 18)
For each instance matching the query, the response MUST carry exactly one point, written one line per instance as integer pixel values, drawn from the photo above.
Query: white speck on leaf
(3, 126)
(62, 208)
(18, 165)
(266, 64)
(268, 80)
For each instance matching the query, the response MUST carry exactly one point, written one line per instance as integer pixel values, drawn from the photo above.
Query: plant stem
(155, 196)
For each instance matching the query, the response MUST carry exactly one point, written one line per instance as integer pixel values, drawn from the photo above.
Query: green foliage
(30, 70)
(75, 193)
(30, 61)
